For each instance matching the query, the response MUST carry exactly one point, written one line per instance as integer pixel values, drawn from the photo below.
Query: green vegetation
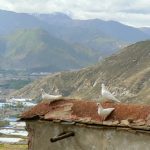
(7, 72)
(4, 123)
(17, 106)
(13, 147)
(15, 84)
(36, 50)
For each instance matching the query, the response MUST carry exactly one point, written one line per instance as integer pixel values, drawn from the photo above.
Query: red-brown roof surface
(86, 111)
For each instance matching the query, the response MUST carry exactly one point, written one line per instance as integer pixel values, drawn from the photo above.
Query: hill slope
(127, 74)
(37, 50)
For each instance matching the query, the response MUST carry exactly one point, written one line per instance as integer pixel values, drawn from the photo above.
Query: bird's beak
(97, 104)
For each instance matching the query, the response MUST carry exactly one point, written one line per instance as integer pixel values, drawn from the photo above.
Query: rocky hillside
(127, 74)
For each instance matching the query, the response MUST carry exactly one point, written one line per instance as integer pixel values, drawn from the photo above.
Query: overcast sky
(131, 12)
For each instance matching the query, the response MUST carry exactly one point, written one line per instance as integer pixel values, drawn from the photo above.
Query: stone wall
(86, 138)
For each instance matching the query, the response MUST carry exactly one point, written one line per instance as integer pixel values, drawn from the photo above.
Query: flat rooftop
(132, 116)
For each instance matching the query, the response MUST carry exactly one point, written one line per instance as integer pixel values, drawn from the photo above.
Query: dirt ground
(12, 147)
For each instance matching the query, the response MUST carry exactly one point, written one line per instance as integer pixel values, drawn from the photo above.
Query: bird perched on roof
(49, 97)
(106, 94)
(104, 112)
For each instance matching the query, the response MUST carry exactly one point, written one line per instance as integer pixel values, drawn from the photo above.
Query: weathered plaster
(85, 138)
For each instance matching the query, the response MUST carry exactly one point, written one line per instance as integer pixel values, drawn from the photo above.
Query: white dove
(104, 112)
(106, 94)
(49, 97)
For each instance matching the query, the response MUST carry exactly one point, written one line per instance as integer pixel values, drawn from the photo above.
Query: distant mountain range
(11, 21)
(126, 74)
(39, 39)
(93, 28)
(36, 50)
(146, 30)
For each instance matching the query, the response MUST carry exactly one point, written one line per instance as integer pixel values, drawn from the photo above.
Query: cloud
(136, 13)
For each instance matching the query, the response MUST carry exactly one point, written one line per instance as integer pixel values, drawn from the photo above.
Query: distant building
(25, 102)
(2, 100)
(16, 100)
(75, 125)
